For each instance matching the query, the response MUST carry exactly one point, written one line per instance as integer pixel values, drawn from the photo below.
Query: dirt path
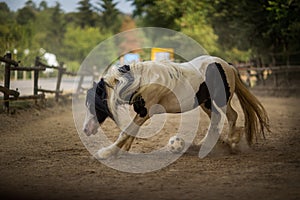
(42, 157)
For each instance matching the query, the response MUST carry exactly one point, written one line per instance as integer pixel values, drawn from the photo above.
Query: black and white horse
(179, 87)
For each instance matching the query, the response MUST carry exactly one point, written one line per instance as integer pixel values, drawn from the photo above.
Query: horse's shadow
(221, 148)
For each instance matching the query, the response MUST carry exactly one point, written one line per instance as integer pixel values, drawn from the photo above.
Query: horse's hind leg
(208, 112)
(233, 136)
(219, 90)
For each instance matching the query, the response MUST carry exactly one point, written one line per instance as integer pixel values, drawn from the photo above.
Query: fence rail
(263, 73)
(11, 65)
(38, 93)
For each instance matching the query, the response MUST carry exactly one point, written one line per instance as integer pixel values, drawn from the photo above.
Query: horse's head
(97, 108)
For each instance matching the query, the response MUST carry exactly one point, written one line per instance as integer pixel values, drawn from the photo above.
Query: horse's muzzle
(91, 127)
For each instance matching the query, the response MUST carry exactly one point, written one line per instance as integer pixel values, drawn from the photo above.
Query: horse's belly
(181, 99)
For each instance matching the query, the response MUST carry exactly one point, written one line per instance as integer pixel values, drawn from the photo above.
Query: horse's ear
(94, 84)
(100, 89)
(101, 84)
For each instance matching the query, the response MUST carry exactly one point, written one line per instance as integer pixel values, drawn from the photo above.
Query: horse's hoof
(235, 148)
(105, 153)
(233, 145)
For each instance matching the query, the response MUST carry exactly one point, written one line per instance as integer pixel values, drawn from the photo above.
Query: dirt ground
(42, 157)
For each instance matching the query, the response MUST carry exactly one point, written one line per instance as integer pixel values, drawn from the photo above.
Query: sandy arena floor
(42, 157)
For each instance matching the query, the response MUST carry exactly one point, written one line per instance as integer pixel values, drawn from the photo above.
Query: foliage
(237, 30)
(56, 30)
(266, 27)
(85, 15)
(33, 30)
(158, 13)
(109, 15)
(190, 17)
(195, 24)
(77, 46)
(7, 23)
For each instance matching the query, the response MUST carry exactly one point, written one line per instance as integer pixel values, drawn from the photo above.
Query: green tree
(78, 43)
(8, 33)
(25, 19)
(109, 15)
(5, 12)
(43, 6)
(194, 23)
(30, 4)
(158, 13)
(26, 15)
(56, 29)
(85, 14)
(266, 27)
(192, 20)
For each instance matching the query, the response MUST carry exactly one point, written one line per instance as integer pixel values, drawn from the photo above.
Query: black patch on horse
(214, 88)
(139, 106)
(225, 82)
(124, 69)
(203, 94)
(97, 101)
(207, 104)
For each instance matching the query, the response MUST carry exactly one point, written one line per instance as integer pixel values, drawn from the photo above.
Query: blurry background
(247, 33)
(237, 30)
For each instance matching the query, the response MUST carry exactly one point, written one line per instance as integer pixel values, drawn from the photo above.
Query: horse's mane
(122, 85)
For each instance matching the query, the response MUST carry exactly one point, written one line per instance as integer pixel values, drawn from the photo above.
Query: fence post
(7, 82)
(61, 70)
(248, 77)
(36, 76)
(79, 87)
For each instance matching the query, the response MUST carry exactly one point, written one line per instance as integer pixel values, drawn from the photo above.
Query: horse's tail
(256, 117)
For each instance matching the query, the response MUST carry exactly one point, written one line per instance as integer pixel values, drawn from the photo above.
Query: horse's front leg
(127, 145)
(130, 132)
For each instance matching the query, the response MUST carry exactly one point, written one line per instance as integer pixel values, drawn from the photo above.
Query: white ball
(176, 144)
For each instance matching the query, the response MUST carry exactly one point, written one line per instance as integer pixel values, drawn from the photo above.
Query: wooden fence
(9, 94)
(61, 71)
(262, 74)
(38, 93)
